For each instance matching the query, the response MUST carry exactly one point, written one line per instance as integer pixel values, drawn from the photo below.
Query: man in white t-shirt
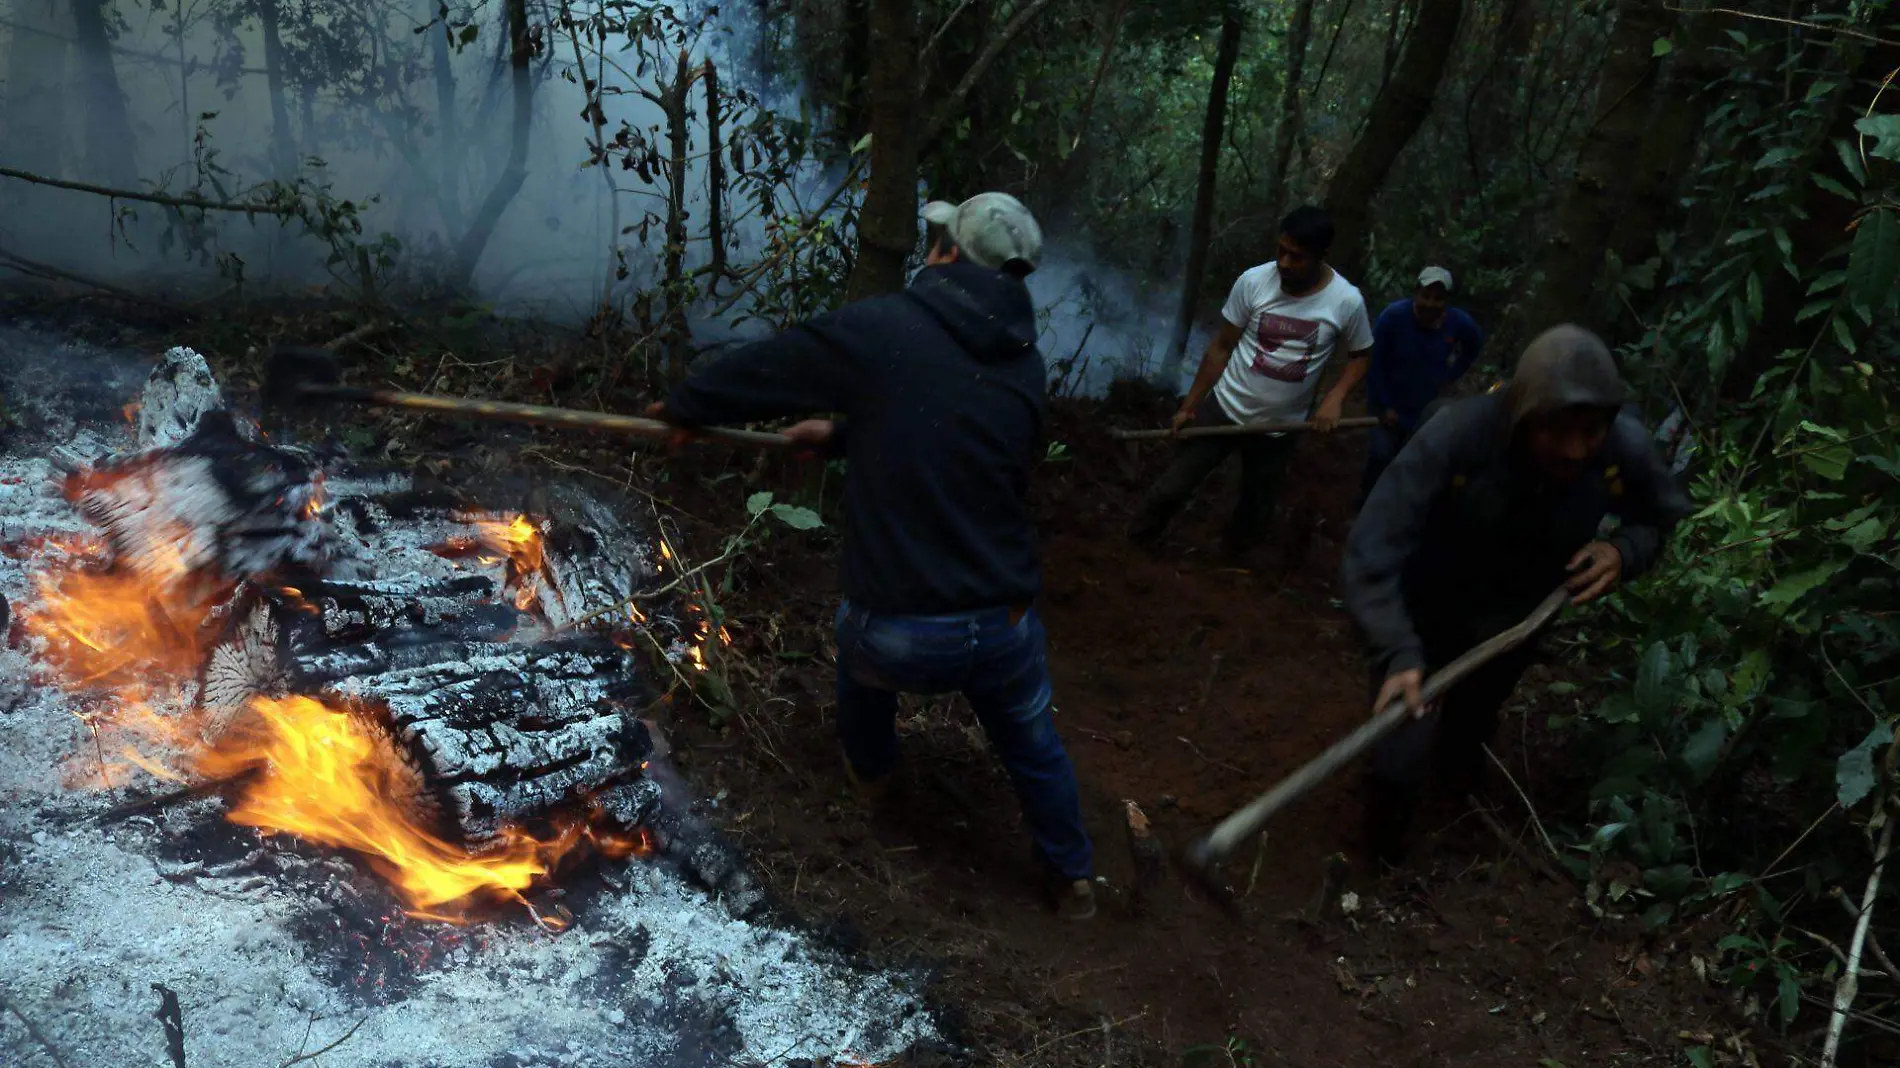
(1283, 321)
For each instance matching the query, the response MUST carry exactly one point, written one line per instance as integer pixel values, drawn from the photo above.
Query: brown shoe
(1076, 900)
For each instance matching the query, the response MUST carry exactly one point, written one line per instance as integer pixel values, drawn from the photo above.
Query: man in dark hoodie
(1495, 501)
(941, 392)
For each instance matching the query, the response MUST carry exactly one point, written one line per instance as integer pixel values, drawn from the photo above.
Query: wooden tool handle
(1357, 422)
(542, 415)
(1242, 825)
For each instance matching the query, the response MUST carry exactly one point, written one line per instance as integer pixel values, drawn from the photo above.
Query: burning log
(214, 505)
(178, 395)
(387, 672)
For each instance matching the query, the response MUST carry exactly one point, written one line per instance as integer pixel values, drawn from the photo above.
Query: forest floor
(1181, 684)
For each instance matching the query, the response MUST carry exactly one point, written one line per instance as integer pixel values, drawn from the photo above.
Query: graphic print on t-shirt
(1275, 331)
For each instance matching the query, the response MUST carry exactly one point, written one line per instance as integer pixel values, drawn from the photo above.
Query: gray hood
(1565, 366)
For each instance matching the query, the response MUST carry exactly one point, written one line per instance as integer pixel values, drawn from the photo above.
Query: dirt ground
(1187, 687)
(1183, 685)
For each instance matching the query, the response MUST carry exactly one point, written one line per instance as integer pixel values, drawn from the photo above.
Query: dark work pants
(1447, 744)
(1382, 447)
(1263, 463)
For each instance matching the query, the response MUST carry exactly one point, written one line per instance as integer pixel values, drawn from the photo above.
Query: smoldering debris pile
(276, 945)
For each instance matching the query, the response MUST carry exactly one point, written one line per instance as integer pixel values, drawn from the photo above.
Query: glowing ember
(136, 636)
(314, 506)
(517, 544)
(329, 777)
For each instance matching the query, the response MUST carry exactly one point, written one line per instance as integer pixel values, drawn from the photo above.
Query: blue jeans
(1001, 665)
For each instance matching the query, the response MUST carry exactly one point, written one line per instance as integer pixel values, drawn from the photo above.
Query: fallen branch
(150, 198)
(190, 792)
(1849, 983)
(33, 1031)
(1354, 423)
(360, 334)
(60, 274)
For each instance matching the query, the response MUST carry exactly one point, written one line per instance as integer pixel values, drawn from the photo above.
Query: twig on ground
(1526, 857)
(1528, 807)
(173, 1019)
(171, 797)
(33, 1031)
(1849, 983)
(1059, 1039)
(314, 1054)
(1873, 944)
(1196, 750)
(361, 333)
(1770, 870)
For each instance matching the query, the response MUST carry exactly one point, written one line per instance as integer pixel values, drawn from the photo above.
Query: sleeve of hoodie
(798, 372)
(1650, 500)
(1387, 534)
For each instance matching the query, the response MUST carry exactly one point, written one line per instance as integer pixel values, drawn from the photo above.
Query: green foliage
(1765, 677)
(1233, 1053)
(793, 516)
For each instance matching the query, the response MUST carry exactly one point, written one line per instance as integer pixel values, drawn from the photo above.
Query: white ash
(90, 922)
(178, 393)
(652, 972)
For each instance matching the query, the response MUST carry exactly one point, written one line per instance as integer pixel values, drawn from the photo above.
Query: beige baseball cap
(994, 230)
(1438, 276)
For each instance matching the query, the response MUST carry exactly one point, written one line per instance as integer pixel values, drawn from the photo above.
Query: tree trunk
(715, 179)
(1226, 54)
(678, 334)
(108, 128)
(1292, 110)
(508, 183)
(1669, 145)
(1074, 155)
(283, 147)
(1401, 108)
(35, 119)
(1568, 265)
(448, 135)
(887, 223)
(1394, 39)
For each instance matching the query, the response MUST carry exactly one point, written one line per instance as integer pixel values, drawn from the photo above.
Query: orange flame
(323, 774)
(329, 777)
(314, 507)
(517, 544)
(118, 625)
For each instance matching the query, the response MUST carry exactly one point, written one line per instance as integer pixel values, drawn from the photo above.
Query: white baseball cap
(1437, 276)
(994, 230)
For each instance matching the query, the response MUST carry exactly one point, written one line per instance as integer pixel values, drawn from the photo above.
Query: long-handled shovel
(1357, 422)
(303, 377)
(1200, 859)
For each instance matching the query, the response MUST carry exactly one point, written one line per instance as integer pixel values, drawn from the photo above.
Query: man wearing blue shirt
(1419, 347)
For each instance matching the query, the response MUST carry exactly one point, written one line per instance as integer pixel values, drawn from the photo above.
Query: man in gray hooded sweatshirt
(1495, 501)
